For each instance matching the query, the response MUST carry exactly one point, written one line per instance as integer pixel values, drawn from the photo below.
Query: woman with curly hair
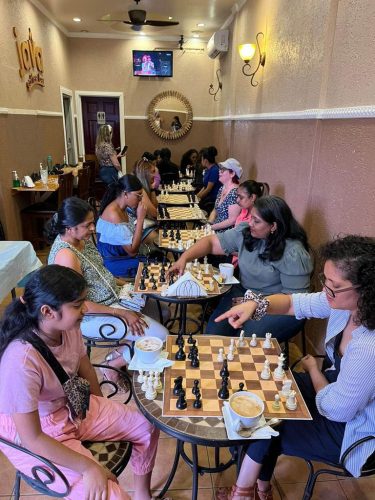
(340, 398)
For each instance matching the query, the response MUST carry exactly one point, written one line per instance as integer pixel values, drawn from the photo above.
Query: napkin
(130, 300)
(186, 286)
(159, 365)
(264, 433)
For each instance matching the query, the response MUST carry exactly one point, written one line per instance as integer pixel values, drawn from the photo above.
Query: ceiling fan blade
(161, 23)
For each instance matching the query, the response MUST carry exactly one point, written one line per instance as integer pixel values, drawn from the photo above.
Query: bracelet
(262, 304)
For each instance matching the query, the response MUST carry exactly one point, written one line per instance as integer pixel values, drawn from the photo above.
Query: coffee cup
(148, 349)
(246, 409)
(226, 270)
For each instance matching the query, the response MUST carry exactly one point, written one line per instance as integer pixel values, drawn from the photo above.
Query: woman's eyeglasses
(329, 291)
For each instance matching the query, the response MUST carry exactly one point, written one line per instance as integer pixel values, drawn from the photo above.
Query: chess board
(184, 214)
(176, 199)
(181, 187)
(246, 367)
(185, 236)
(154, 269)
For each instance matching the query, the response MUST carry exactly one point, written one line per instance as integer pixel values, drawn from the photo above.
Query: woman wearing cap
(273, 257)
(226, 210)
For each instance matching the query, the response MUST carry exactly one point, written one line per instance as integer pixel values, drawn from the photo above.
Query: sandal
(111, 356)
(264, 495)
(235, 493)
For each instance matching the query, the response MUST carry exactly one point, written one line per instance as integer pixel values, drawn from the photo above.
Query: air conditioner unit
(218, 43)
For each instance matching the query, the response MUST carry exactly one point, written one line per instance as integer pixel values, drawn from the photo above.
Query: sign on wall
(100, 117)
(30, 59)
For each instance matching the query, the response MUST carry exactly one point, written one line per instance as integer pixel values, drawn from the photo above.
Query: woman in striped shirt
(340, 399)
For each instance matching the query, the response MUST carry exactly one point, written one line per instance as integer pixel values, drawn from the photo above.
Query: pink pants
(105, 421)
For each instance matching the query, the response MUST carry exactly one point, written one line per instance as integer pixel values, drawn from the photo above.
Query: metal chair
(114, 455)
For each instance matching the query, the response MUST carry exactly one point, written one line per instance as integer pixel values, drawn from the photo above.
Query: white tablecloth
(17, 259)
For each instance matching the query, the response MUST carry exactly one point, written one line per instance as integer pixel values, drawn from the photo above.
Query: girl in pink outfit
(247, 193)
(33, 405)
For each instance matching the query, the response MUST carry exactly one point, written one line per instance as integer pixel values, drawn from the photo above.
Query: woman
(176, 125)
(211, 184)
(155, 171)
(273, 257)
(109, 165)
(144, 171)
(73, 229)
(33, 405)
(226, 210)
(247, 193)
(341, 398)
(189, 160)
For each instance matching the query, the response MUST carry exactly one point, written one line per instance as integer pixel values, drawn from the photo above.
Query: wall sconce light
(211, 89)
(247, 52)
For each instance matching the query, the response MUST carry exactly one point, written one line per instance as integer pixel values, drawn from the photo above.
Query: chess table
(177, 199)
(181, 187)
(168, 244)
(183, 214)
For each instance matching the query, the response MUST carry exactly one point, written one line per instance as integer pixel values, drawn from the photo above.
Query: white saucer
(264, 433)
(230, 281)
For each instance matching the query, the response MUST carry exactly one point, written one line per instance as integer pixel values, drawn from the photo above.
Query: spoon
(247, 432)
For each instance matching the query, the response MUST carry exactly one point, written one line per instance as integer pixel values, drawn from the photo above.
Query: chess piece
(165, 233)
(230, 355)
(145, 382)
(279, 372)
(286, 359)
(150, 391)
(197, 403)
(241, 385)
(286, 388)
(162, 275)
(179, 337)
(276, 404)
(142, 284)
(232, 345)
(206, 268)
(195, 361)
(267, 344)
(180, 354)
(224, 372)
(190, 339)
(171, 280)
(152, 279)
(140, 377)
(154, 286)
(196, 264)
(181, 401)
(180, 245)
(241, 341)
(205, 260)
(291, 402)
(180, 341)
(158, 386)
(199, 275)
(266, 372)
(191, 352)
(223, 392)
(220, 356)
(253, 341)
(177, 385)
(171, 235)
(178, 234)
(195, 388)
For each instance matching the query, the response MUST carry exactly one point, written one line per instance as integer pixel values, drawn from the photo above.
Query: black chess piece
(154, 286)
(193, 197)
(142, 284)
(171, 280)
(241, 385)
(165, 233)
(171, 235)
(195, 389)
(179, 336)
(285, 351)
(144, 271)
(162, 276)
(180, 354)
(181, 341)
(181, 401)
(195, 361)
(190, 339)
(223, 392)
(177, 385)
(197, 403)
(224, 372)
(178, 235)
(191, 352)
(152, 279)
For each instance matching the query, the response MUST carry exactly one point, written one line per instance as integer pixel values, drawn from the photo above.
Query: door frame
(93, 93)
(69, 93)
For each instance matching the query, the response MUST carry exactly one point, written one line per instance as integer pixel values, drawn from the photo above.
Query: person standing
(109, 164)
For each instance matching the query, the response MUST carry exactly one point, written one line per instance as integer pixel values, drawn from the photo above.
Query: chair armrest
(49, 470)
(352, 447)
(124, 377)
(110, 325)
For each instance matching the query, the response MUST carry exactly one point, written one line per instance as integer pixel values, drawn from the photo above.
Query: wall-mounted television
(153, 63)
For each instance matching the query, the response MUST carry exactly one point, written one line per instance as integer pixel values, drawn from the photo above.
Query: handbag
(76, 388)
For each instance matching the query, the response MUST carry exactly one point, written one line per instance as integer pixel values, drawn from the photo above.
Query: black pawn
(181, 401)
(195, 361)
(224, 372)
(180, 341)
(191, 352)
(142, 285)
(197, 403)
(178, 235)
(171, 280)
(223, 392)
(180, 354)
(162, 276)
(241, 385)
(171, 235)
(154, 286)
(190, 339)
(165, 234)
(286, 359)
(179, 337)
(152, 280)
(195, 389)
(177, 385)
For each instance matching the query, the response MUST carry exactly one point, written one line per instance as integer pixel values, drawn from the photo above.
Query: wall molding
(32, 112)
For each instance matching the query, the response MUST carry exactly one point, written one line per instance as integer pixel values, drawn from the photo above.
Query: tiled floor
(289, 479)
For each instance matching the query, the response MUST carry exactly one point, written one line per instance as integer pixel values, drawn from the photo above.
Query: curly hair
(273, 209)
(354, 256)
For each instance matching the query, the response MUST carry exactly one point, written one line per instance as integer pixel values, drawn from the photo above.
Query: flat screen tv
(153, 63)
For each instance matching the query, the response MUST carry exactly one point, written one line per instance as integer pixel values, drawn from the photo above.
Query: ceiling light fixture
(170, 17)
(247, 52)
(77, 19)
(200, 25)
(211, 89)
(195, 36)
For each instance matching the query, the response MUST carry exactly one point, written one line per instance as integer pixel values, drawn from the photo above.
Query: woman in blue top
(211, 184)
(341, 398)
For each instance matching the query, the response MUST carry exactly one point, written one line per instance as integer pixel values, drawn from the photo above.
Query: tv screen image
(153, 63)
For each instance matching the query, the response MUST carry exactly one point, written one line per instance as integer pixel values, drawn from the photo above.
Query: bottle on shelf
(49, 162)
(15, 180)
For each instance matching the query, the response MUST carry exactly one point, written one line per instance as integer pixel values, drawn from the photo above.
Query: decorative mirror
(170, 115)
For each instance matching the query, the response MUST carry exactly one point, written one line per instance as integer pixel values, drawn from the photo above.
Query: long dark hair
(209, 154)
(126, 184)
(354, 256)
(273, 209)
(73, 211)
(51, 285)
(253, 187)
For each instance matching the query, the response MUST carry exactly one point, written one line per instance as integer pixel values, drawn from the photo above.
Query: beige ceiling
(213, 13)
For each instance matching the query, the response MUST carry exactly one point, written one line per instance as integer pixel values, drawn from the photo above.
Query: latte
(245, 406)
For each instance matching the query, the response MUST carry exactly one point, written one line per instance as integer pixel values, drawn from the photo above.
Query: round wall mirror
(170, 115)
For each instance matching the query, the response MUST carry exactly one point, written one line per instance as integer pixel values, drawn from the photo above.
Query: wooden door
(90, 108)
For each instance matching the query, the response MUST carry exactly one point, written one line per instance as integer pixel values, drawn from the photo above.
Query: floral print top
(222, 209)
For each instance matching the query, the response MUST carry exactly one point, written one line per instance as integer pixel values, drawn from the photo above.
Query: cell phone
(124, 150)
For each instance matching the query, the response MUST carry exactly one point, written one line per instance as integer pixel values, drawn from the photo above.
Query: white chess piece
(276, 404)
(180, 245)
(150, 391)
(145, 382)
(220, 356)
(279, 372)
(267, 344)
(199, 275)
(158, 386)
(230, 355)
(140, 377)
(291, 402)
(207, 269)
(266, 372)
(205, 260)
(286, 388)
(241, 341)
(196, 263)
(253, 341)
(211, 285)
(232, 345)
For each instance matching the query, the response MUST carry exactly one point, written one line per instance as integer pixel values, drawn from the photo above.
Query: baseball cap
(232, 164)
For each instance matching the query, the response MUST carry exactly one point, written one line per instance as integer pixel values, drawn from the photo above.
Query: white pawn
(276, 404)
(207, 268)
(286, 388)
(199, 275)
(230, 355)
(266, 372)
(196, 263)
(232, 345)
(158, 386)
(140, 377)
(150, 391)
(241, 341)
(205, 260)
(291, 402)
(267, 344)
(180, 245)
(145, 382)
(253, 341)
(220, 356)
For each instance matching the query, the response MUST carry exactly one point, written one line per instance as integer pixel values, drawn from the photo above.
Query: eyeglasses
(329, 291)
(222, 169)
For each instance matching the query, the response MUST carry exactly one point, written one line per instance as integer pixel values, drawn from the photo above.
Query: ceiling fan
(138, 19)
(181, 46)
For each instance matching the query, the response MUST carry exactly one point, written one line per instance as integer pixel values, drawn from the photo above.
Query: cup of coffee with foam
(226, 271)
(246, 409)
(148, 349)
